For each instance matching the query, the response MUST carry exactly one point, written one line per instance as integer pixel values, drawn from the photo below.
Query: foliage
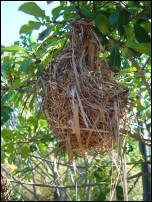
(124, 30)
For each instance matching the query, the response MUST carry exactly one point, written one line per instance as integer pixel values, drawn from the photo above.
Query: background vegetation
(28, 142)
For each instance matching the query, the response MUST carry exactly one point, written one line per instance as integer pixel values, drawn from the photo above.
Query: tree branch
(137, 137)
(54, 186)
(133, 185)
(62, 164)
(94, 6)
(139, 175)
(141, 73)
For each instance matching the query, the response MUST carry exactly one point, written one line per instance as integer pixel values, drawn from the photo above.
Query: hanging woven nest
(83, 100)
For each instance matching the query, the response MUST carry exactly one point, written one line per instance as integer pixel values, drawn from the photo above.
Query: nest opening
(81, 93)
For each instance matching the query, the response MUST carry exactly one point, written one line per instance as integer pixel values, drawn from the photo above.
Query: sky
(12, 19)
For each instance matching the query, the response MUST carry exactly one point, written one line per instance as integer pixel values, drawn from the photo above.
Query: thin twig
(74, 64)
(139, 175)
(33, 177)
(133, 185)
(55, 186)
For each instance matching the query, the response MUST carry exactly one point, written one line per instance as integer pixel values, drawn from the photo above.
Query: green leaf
(31, 120)
(147, 26)
(56, 12)
(28, 28)
(25, 151)
(10, 158)
(102, 23)
(32, 9)
(13, 48)
(47, 138)
(7, 134)
(16, 84)
(21, 119)
(129, 32)
(71, 8)
(114, 18)
(140, 47)
(6, 97)
(114, 60)
(86, 12)
(42, 123)
(45, 33)
(3, 156)
(5, 114)
(42, 146)
(134, 53)
(25, 29)
(10, 148)
(4, 68)
(25, 66)
(124, 17)
(141, 35)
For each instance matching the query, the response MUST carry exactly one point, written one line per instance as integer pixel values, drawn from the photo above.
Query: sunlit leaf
(16, 84)
(140, 47)
(42, 123)
(33, 9)
(42, 146)
(28, 28)
(13, 49)
(21, 119)
(7, 134)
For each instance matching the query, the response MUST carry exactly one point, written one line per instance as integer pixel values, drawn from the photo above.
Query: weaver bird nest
(83, 103)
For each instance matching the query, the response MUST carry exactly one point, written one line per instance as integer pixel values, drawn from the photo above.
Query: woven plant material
(3, 188)
(81, 94)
